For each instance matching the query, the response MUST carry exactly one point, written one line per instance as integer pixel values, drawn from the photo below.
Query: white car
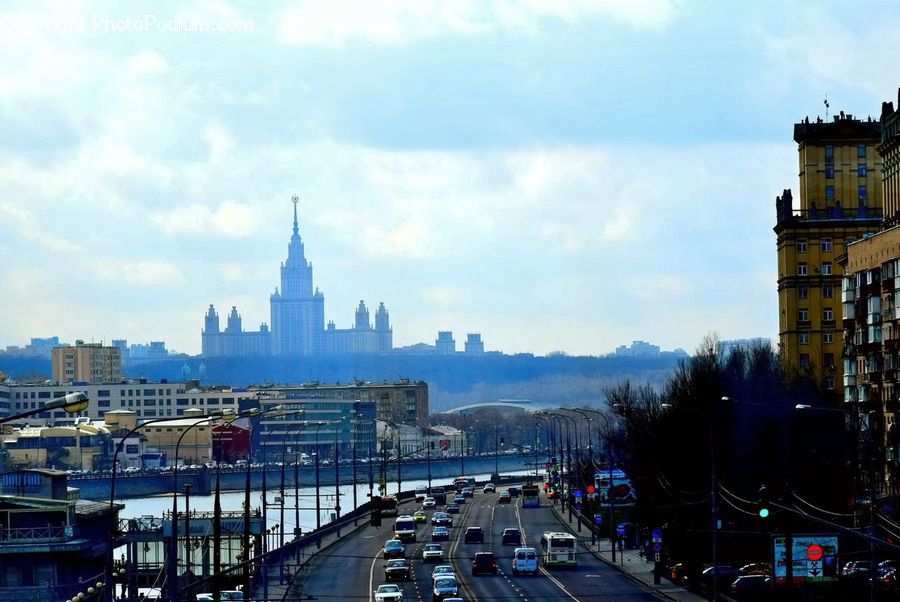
(429, 502)
(432, 552)
(389, 592)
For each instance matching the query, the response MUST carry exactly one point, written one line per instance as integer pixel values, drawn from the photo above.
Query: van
(421, 493)
(525, 560)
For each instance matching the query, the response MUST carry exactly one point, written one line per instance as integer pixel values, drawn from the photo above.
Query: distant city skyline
(557, 176)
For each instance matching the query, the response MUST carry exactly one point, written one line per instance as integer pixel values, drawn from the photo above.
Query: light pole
(609, 464)
(72, 403)
(319, 425)
(713, 498)
(337, 464)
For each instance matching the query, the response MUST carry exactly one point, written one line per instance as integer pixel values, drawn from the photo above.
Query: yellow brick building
(86, 362)
(840, 201)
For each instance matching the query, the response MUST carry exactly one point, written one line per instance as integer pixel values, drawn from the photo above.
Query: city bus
(405, 529)
(460, 482)
(531, 496)
(558, 549)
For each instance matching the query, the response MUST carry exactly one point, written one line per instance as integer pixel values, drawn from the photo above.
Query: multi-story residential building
(86, 362)
(840, 202)
(871, 309)
(297, 311)
(445, 344)
(474, 344)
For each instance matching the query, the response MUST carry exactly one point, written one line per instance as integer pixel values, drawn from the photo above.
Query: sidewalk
(629, 562)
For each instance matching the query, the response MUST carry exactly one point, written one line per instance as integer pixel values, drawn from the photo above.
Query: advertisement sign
(814, 558)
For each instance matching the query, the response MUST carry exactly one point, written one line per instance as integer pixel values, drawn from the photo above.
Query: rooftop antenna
(826, 107)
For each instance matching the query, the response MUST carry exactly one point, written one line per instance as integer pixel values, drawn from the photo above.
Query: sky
(557, 175)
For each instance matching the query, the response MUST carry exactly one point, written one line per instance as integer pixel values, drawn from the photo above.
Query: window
(804, 360)
(801, 246)
(829, 383)
(801, 269)
(863, 192)
(802, 292)
(828, 338)
(803, 315)
(826, 268)
(827, 291)
(829, 360)
(829, 153)
(862, 170)
(861, 150)
(829, 172)
(826, 245)
(804, 338)
(829, 192)
(827, 314)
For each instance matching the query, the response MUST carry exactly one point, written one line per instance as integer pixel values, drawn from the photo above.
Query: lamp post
(72, 403)
(337, 464)
(356, 424)
(609, 463)
(319, 425)
(713, 498)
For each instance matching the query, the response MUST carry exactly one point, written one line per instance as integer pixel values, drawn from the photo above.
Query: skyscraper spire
(295, 199)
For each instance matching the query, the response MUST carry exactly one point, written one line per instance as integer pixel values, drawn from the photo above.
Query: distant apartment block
(86, 362)
(474, 344)
(38, 347)
(638, 349)
(840, 201)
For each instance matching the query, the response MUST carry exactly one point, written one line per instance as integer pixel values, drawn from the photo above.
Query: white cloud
(396, 22)
(141, 273)
(229, 219)
(26, 225)
(148, 62)
(232, 272)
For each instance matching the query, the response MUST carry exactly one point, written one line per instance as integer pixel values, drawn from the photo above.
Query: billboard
(814, 558)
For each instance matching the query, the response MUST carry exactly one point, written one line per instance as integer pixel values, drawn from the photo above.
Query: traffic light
(763, 507)
(375, 518)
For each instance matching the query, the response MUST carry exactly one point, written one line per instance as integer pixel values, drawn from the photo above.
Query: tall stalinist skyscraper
(298, 312)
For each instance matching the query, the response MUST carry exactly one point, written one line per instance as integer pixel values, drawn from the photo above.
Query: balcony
(35, 535)
(848, 296)
(850, 380)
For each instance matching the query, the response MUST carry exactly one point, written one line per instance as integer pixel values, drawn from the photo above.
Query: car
(442, 519)
(484, 562)
(231, 594)
(511, 537)
(459, 500)
(432, 552)
(855, 569)
(725, 575)
(504, 498)
(756, 568)
(440, 534)
(489, 488)
(421, 494)
(429, 502)
(453, 508)
(394, 548)
(420, 516)
(388, 592)
(513, 491)
(444, 587)
(442, 570)
(752, 587)
(474, 535)
(525, 560)
(397, 570)
(468, 492)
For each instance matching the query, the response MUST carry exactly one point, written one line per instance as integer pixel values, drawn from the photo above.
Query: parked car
(388, 592)
(474, 535)
(855, 569)
(724, 574)
(752, 587)
(756, 568)
(484, 562)
(397, 570)
(511, 537)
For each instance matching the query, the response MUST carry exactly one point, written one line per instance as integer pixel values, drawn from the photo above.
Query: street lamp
(72, 403)
(609, 462)
(337, 464)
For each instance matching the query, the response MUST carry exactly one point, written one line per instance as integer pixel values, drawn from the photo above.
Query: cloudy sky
(554, 174)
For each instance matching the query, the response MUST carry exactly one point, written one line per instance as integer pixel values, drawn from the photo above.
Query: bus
(531, 496)
(405, 529)
(460, 482)
(558, 549)
(388, 505)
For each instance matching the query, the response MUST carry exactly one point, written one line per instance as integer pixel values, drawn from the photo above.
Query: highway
(353, 568)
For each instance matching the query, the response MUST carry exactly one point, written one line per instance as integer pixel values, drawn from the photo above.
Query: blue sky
(556, 175)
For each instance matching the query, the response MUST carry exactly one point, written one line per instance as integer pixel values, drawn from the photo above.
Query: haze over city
(553, 175)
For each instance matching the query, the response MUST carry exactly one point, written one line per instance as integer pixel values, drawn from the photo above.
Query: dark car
(756, 568)
(459, 500)
(513, 491)
(397, 570)
(394, 548)
(440, 534)
(484, 562)
(468, 492)
(724, 575)
(855, 569)
(511, 537)
(752, 587)
(503, 498)
(452, 508)
(441, 519)
(474, 535)
(444, 587)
